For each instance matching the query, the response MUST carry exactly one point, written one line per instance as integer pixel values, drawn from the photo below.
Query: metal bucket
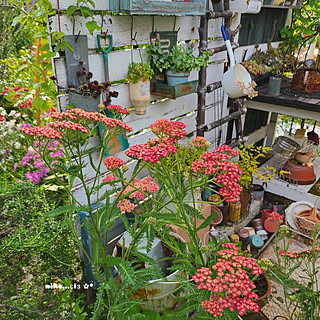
(285, 146)
(157, 296)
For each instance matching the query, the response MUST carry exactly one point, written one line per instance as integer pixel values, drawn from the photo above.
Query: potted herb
(139, 75)
(177, 63)
(276, 77)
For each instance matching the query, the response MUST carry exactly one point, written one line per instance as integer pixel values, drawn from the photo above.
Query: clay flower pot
(140, 96)
(263, 286)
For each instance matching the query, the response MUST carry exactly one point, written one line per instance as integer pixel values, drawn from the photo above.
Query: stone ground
(274, 307)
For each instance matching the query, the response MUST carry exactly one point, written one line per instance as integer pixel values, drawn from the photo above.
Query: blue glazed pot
(175, 78)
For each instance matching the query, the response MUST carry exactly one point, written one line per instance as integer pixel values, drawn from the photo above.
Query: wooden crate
(160, 88)
(306, 80)
(160, 7)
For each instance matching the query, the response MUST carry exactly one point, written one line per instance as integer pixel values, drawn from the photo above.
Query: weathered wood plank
(64, 4)
(118, 65)
(120, 27)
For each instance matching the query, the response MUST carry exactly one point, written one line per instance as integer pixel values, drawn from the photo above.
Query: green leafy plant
(139, 72)
(178, 59)
(296, 272)
(249, 164)
(35, 251)
(302, 26)
(83, 7)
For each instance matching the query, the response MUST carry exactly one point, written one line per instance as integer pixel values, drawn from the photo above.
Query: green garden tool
(105, 52)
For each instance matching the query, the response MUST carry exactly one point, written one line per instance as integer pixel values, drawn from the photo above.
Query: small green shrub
(35, 251)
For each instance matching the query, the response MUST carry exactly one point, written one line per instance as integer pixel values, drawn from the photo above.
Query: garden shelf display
(159, 85)
(160, 7)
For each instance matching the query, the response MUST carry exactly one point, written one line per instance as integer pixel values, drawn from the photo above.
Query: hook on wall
(73, 24)
(102, 22)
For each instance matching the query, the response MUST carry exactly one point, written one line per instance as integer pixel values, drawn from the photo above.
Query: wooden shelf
(160, 7)
(288, 190)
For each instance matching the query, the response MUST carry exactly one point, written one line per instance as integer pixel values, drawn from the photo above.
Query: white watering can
(236, 73)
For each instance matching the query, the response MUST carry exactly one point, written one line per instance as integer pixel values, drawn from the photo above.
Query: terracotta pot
(263, 281)
(298, 174)
(218, 219)
(140, 96)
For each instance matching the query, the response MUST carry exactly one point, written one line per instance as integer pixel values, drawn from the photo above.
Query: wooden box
(306, 80)
(160, 7)
(161, 88)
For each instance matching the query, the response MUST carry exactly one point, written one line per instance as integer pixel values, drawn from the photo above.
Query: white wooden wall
(183, 108)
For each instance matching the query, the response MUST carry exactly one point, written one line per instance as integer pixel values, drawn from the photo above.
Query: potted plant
(276, 77)
(249, 164)
(87, 96)
(139, 75)
(177, 63)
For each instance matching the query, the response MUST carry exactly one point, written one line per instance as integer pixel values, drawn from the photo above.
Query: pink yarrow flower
(113, 163)
(230, 284)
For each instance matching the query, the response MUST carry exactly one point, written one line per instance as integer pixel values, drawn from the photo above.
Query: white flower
(12, 113)
(3, 112)
(17, 145)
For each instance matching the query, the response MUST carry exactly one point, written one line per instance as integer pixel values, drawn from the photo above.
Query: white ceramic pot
(140, 96)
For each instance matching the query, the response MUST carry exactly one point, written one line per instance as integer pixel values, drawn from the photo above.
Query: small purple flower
(62, 179)
(15, 166)
(25, 125)
(57, 154)
(38, 164)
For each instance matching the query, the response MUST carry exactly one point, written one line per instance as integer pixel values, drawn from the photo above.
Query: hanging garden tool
(119, 143)
(105, 52)
(312, 136)
(236, 82)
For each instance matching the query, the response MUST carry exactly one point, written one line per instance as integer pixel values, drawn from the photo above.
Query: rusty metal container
(157, 296)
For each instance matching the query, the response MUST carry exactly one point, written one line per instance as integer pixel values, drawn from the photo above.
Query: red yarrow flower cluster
(74, 126)
(229, 282)
(42, 131)
(84, 117)
(227, 174)
(136, 191)
(200, 142)
(125, 206)
(153, 150)
(118, 109)
(110, 178)
(173, 129)
(113, 163)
